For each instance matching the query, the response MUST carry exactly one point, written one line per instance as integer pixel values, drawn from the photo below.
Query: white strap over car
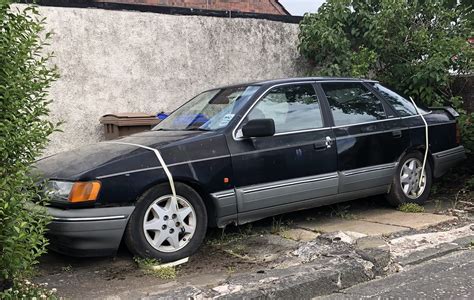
(426, 142)
(160, 160)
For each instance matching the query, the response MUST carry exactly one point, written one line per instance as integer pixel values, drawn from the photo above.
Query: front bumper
(447, 159)
(87, 232)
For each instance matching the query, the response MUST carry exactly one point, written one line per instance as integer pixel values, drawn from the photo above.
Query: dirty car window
(210, 110)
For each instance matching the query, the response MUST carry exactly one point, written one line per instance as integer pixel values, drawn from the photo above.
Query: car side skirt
(259, 201)
(255, 215)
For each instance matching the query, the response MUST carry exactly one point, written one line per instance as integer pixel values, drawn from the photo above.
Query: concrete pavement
(374, 222)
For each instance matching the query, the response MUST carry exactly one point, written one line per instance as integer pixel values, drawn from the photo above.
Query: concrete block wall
(126, 61)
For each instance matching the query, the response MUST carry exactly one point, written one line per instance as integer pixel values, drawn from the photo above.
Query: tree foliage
(413, 46)
(25, 76)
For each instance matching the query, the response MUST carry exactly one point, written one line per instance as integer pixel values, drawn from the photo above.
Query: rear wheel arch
(396, 195)
(419, 149)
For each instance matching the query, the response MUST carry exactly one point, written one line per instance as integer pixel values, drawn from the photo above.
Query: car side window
(292, 108)
(352, 102)
(403, 106)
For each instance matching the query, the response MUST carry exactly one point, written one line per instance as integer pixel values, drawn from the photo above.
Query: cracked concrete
(449, 277)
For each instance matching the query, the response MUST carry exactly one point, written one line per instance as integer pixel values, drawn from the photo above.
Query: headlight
(60, 190)
(73, 192)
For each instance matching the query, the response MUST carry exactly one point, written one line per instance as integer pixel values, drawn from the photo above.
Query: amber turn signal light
(84, 191)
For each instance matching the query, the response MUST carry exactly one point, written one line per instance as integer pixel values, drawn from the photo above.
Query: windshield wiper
(197, 129)
(164, 129)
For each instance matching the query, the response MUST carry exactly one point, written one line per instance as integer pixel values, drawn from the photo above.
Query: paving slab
(300, 235)
(398, 218)
(327, 225)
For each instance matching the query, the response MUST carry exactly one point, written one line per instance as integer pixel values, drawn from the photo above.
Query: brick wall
(257, 6)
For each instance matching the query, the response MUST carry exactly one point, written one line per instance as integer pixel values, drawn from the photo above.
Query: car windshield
(210, 110)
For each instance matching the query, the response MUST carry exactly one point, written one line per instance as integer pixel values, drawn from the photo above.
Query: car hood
(75, 164)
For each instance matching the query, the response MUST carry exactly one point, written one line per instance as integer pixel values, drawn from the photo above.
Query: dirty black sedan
(241, 153)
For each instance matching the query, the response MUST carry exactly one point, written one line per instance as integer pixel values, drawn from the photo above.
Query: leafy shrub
(25, 77)
(413, 47)
(27, 290)
(467, 130)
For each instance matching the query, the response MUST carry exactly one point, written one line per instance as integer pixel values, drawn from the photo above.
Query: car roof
(296, 79)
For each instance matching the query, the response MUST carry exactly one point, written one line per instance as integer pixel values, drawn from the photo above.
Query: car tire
(155, 228)
(405, 180)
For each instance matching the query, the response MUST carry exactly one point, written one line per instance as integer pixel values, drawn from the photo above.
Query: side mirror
(259, 128)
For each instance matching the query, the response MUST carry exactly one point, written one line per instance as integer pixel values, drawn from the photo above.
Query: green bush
(413, 47)
(27, 290)
(25, 77)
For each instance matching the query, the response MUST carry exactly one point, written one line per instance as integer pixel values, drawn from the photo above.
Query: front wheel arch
(206, 197)
(135, 238)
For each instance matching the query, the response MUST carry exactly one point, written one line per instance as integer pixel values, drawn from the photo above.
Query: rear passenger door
(275, 174)
(368, 136)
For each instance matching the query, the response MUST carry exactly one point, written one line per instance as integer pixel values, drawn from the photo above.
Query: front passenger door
(297, 165)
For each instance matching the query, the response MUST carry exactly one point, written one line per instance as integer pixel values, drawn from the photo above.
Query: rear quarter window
(403, 106)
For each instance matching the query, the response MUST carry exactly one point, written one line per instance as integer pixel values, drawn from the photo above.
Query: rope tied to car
(160, 160)
(426, 142)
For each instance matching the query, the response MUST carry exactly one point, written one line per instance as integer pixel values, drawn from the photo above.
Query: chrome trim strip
(160, 167)
(348, 80)
(223, 194)
(369, 169)
(414, 116)
(262, 188)
(369, 133)
(390, 130)
(128, 172)
(86, 219)
(301, 131)
(270, 149)
(431, 125)
(368, 122)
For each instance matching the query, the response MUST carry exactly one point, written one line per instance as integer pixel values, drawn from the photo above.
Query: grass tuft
(342, 211)
(411, 208)
(151, 266)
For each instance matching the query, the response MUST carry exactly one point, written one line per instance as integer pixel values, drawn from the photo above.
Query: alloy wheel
(169, 223)
(410, 178)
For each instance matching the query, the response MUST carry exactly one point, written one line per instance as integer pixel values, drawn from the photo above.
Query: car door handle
(323, 144)
(397, 133)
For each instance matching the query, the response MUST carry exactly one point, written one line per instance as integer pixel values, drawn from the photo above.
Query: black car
(241, 153)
